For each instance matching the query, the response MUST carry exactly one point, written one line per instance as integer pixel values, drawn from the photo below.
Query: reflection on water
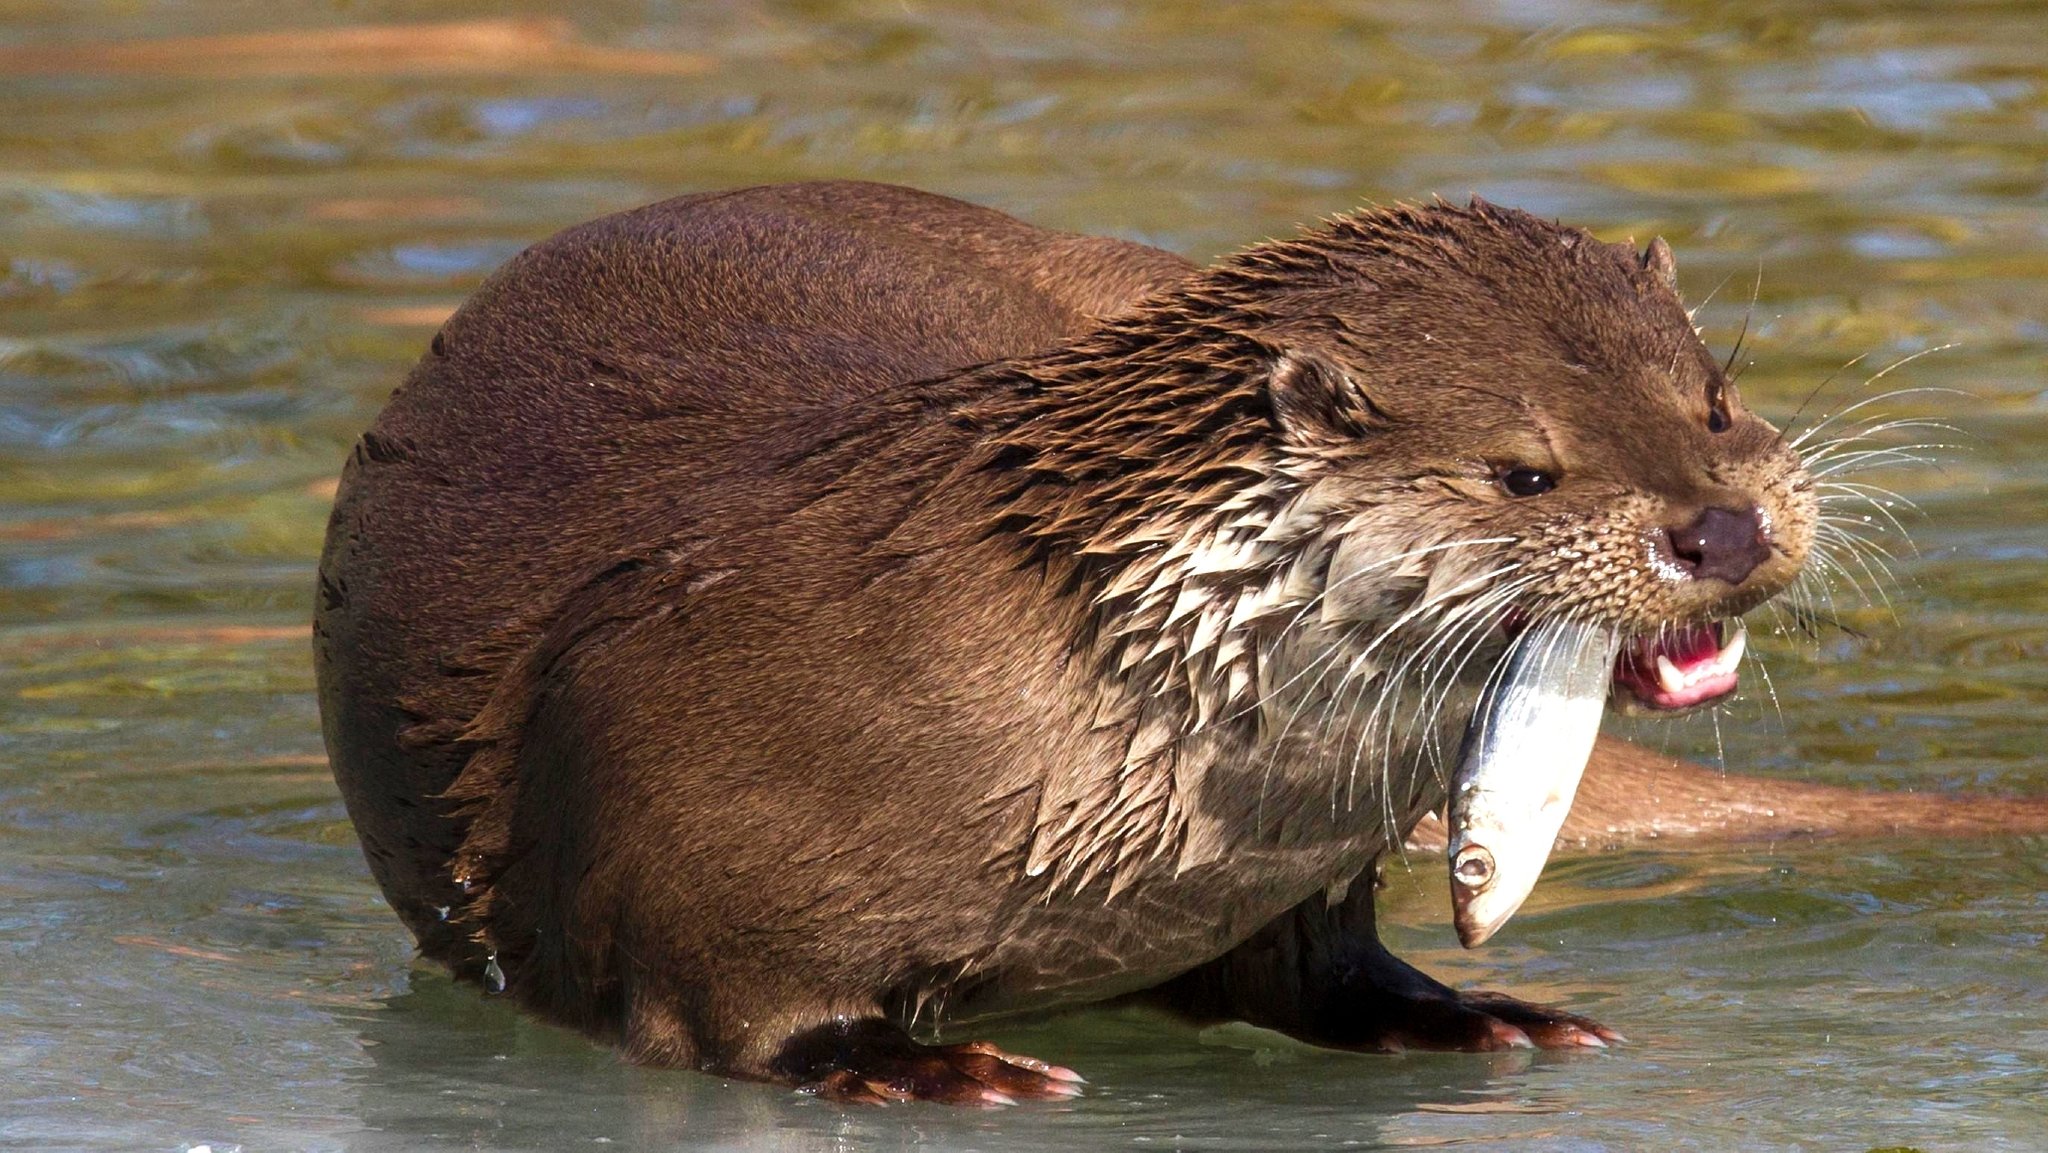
(226, 229)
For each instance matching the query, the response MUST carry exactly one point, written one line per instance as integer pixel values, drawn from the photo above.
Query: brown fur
(487, 493)
(718, 636)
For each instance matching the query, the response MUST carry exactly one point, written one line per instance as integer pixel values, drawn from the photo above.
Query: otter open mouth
(1681, 668)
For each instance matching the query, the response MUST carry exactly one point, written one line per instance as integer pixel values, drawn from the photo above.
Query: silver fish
(1525, 749)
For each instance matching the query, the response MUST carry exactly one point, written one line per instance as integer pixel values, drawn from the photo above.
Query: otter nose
(1720, 543)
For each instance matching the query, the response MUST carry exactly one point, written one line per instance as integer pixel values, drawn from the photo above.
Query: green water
(217, 256)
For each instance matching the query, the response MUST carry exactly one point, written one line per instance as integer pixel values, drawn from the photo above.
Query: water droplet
(494, 977)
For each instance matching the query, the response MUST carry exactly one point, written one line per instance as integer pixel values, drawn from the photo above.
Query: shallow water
(217, 255)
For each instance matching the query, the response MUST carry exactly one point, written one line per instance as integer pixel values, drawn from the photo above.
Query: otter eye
(1718, 419)
(1527, 481)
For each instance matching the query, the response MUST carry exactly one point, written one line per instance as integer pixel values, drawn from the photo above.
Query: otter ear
(1314, 398)
(1658, 259)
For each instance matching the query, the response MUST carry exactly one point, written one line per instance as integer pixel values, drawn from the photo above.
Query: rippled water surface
(227, 228)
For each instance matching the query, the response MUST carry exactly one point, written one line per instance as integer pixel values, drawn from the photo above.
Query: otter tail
(1630, 795)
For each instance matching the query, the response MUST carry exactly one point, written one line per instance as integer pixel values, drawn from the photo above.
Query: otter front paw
(1474, 1022)
(872, 1062)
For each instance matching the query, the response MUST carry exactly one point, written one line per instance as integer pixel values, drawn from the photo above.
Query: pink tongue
(1695, 646)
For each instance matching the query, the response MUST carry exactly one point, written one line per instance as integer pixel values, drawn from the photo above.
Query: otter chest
(1242, 856)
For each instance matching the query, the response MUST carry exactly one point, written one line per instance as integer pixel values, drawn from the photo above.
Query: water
(217, 255)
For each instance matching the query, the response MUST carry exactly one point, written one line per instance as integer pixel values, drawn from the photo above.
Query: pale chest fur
(1242, 754)
(1137, 873)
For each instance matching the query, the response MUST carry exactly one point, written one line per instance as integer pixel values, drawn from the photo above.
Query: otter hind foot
(873, 1062)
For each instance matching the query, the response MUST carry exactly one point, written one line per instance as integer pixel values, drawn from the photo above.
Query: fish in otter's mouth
(1529, 738)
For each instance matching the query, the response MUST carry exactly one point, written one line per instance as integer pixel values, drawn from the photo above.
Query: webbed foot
(1444, 1019)
(1383, 1003)
(1320, 973)
(872, 1062)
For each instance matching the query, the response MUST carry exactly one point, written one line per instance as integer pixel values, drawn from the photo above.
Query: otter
(769, 625)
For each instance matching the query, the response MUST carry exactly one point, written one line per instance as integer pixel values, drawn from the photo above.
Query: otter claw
(874, 1063)
(1548, 1027)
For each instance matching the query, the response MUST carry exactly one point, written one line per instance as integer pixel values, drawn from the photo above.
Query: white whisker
(1890, 394)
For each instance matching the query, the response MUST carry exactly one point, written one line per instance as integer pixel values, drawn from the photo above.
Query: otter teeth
(1672, 681)
(1732, 655)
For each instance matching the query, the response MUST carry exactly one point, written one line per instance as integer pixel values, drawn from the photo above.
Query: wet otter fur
(767, 625)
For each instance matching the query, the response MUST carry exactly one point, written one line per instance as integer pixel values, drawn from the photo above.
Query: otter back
(617, 383)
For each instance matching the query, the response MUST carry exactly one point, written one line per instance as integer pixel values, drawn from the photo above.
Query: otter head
(1378, 452)
(1497, 420)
